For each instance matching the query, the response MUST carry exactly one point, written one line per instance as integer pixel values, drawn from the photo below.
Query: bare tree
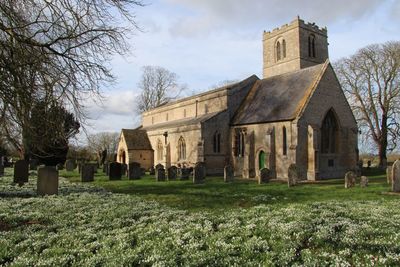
(158, 86)
(371, 81)
(57, 51)
(99, 142)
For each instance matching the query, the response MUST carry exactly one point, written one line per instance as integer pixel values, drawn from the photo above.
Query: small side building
(134, 146)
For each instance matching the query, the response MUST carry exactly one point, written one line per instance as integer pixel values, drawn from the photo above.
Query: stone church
(297, 114)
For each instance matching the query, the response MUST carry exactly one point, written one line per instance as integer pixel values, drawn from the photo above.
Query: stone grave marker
(364, 181)
(350, 179)
(293, 175)
(115, 171)
(199, 173)
(21, 172)
(265, 175)
(47, 183)
(228, 174)
(87, 173)
(172, 172)
(70, 165)
(183, 173)
(152, 171)
(396, 176)
(33, 164)
(389, 174)
(134, 171)
(160, 173)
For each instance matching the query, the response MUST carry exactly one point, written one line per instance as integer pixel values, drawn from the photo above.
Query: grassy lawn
(216, 195)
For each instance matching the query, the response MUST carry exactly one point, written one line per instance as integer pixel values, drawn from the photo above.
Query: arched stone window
(329, 133)
(278, 51)
(217, 142)
(160, 150)
(283, 48)
(284, 141)
(311, 45)
(239, 143)
(181, 149)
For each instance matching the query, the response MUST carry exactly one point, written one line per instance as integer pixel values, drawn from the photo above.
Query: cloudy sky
(209, 41)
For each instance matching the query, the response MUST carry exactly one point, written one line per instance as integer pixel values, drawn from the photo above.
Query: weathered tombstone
(33, 164)
(396, 176)
(228, 174)
(124, 169)
(47, 183)
(183, 173)
(70, 165)
(160, 173)
(1, 166)
(87, 173)
(265, 175)
(152, 171)
(389, 174)
(114, 171)
(172, 172)
(21, 172)
(293, 175)
(199, 173)
(350, 179)
(134, 171)
(364, 181)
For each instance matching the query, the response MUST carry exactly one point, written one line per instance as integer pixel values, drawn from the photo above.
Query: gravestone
(199, 173)
(228, 174)
(160, 173)
(87, 173)
(172, 172)
(70, 165)
(47, 183)
(389, 174)
(114, 171)
(124, 169)
(105, 168)
(350, 179)
(293, 175)
(364, 181)
(265, 175)
(33, 164)
(134, 171)
(21, 172)
(152, 171)
(1, 166)
(183, 173)
(396, 176)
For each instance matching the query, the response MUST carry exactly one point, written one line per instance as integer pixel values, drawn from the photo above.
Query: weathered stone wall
(144, 157)
(328, 95)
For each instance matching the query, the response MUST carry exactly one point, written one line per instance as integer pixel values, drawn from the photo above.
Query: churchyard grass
(267, 225)
(216, 195)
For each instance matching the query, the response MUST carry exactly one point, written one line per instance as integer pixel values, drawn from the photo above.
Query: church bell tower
(294, 46)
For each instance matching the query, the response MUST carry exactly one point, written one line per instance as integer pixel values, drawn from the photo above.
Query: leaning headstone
(265, 175)
(47, 183)
(228, 174)
(152, 171)
(114, 171)
(389, 174)
(364, 181)
(134, 171)
(87, 173)
(70, 165)
(350, 179)
(293, 175)
(21, 172)
(33, 164)
(396, 176)
(172, 172)
(199, 173)
(160, 173)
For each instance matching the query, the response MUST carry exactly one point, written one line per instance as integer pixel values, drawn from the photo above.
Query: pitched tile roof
(278, 98)
(136, 139)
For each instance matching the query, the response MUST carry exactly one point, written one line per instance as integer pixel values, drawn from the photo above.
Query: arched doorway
(122, 158)
(261, 160)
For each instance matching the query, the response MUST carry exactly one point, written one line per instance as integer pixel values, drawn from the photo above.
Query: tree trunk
(383, 143)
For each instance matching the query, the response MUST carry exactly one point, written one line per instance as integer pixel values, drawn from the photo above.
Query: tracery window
(181, 149)
(329, 133)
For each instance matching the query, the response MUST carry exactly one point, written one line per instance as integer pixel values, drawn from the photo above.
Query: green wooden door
(261, 159)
